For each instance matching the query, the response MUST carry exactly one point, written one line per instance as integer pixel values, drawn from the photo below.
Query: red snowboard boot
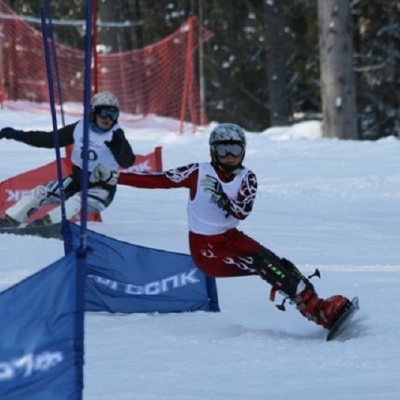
(322, 312)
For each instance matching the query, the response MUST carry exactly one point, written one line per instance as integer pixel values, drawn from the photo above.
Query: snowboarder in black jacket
(108, 150)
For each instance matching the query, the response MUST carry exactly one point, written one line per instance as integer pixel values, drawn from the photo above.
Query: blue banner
(126, 278)
(41, 335)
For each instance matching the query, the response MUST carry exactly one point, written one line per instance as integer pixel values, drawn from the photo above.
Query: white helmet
(227, 133)
(104, 99)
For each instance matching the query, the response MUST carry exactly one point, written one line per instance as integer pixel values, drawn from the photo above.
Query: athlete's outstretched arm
(185, 176)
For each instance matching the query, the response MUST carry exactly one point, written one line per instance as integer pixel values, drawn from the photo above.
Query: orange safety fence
(157, 80)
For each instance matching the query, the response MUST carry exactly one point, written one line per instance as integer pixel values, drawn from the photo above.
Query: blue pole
(57, 71)
(86, 120)
(81, 264)
(82, 250)
(53, 112)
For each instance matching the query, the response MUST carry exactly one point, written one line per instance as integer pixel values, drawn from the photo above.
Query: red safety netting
(158, 79)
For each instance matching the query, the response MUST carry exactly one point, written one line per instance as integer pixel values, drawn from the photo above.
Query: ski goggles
(107, 112)
(228, 149)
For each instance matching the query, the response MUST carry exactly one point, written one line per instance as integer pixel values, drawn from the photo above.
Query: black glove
(11, 133)
(214, 187)
(115, 145)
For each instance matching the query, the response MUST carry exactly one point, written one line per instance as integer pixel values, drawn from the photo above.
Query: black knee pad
(278, 272)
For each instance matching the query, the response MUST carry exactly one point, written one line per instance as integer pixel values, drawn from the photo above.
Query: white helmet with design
(228, 133)
(104, 99)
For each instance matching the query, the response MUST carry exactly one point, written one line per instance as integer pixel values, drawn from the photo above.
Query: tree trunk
(337, 76)
(113, 38)
(276, 64)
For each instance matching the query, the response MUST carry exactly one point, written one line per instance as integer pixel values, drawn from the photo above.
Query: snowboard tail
(343, 322)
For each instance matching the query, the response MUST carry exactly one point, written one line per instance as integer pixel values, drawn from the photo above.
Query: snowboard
(52, 231)
(344, 322)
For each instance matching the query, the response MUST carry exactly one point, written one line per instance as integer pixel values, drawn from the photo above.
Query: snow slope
(321, 203)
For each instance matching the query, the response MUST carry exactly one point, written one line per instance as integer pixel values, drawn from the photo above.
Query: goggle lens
(107, 112)
(226, 149)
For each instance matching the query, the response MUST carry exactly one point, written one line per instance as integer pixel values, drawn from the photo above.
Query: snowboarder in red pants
(222, 192)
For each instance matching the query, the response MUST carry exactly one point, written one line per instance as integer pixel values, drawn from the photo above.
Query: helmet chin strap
(229, 169)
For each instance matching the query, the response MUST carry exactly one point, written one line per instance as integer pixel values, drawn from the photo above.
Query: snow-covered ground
(321, 203)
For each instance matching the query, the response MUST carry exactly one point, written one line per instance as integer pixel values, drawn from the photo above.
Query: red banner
(12, 189)
(148, 162)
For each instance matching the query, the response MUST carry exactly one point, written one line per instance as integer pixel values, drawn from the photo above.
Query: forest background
(234, 63)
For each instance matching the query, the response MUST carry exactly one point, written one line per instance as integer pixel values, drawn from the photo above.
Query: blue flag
(126, 278)
(41, 335)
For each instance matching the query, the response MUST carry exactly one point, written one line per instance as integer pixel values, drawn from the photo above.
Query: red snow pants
(228, 254)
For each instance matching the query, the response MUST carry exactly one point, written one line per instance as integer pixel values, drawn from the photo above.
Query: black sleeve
(121, 149)
(126, 157)
(46, 140)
